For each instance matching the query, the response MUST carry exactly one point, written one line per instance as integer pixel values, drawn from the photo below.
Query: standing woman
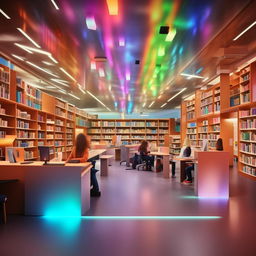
(80, 153)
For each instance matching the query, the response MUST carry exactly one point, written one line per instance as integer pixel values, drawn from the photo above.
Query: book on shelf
(3, 123)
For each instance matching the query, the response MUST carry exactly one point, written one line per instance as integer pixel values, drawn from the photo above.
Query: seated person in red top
(144, 153)
(80, 153)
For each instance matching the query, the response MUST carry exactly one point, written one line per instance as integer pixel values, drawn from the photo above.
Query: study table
(166, 162)
(47, 189)
(184, 161)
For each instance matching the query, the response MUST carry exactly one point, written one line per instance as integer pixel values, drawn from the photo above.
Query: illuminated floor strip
(138, 217)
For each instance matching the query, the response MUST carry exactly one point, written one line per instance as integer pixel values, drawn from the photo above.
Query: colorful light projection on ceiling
(119, 33)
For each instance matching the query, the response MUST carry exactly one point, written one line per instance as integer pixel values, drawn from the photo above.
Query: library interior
(127, 127)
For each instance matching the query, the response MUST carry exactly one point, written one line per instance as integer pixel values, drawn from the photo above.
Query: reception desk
(47, 189)
(212, 174)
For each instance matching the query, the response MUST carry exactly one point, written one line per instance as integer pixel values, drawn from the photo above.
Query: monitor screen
(44, 152)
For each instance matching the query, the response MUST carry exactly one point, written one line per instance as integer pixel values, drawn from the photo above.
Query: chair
(3, 200)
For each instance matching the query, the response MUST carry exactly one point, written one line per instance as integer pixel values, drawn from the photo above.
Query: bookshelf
(190, 109)
(131, 131)
(175, 144)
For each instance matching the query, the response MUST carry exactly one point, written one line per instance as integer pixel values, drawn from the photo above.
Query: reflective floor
(138, 193)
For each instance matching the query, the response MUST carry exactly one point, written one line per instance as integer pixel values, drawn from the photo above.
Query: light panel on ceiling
(112, 7)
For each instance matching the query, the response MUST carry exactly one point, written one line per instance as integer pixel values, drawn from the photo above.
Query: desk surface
(41, 164)
(184, 158)
(132, 145)
(156, 153)
(96, 152)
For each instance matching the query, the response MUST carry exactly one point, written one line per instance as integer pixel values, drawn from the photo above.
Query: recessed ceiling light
(244, 31)
(152, 103)
(35, 66)
(55, 5)
(59, 81)
(47, 63)
(163, 105)
(72, 95)
(191, 75)
(17, 57)
(4, 14)
(177, 94)
(90, 23)
(65, 72)
(28, 37)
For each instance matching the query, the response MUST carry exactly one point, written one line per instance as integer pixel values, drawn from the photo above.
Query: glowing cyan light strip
(244, 31)
(18, 57)
(177, 94)
(59, 81)
(55, 5)
(4, 14)
(65, 72)
(163, 105)
(90, 23)
(72, 95)
(28, 37)
(137, 217)
(152, 103)
(34, 65)
(170, 36)
(98, 100)
(192, 76)
(112, 7)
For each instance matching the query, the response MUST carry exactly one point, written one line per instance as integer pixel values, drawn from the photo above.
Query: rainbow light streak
(195, 217)
(90, 23)
(112, 7)
(101, 72)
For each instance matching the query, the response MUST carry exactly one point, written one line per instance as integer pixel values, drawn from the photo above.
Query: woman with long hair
(144, 154)
(80, 153)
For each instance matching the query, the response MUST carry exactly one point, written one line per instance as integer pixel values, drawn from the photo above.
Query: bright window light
(55, 5)
(244, 31)
(29, 38)
(121, 42)
(112, 7)
(93, 65)
(4, 14)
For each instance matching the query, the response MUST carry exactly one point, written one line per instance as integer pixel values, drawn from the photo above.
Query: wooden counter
(46, 189)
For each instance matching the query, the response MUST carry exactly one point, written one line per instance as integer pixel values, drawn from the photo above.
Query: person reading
(80, 154)
(144, 154)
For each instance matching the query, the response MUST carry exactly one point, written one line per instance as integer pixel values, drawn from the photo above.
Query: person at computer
(184, 152)
(219, 145)
(80, 153)
(144, 154)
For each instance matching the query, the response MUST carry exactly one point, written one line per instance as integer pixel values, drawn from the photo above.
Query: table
(128, 149)
(183, 164)
(46, 189)
(95, 152)
(166, 163)
(104, 163)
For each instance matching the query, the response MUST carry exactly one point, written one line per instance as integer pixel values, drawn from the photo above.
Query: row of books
(58, 129)
(191, 130)
(81, 122)
(217, 106)
(151, 124)
(190, 115)
(249, 170)
(248, 136)
(29, 155)
(3, 122)
(59, 136)
(213, 136)
(4, 91)
(247, 124)
(206, 110)
(4, 76)
(216, 120)
(248, 159)
(22, 124)
(26, 134)
(31, 91)
(245, 77)
(206, 94)
(60, 104)
(248, 147)
(245, 98)
(137, 124)
(192, 136)
(23, 114)
(59, 122)
(2, 110)
(25, 144)
(245, 113)
(70, 116)
(203, 129)
(41, 135)
(2, 134)
(216, 128)
(234, 100)
(60, 112)
(190, 108)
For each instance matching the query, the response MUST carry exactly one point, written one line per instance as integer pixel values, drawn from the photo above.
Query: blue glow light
(205, 198)
(139, 217)
(199, 70)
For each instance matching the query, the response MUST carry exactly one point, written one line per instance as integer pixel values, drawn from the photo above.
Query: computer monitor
(44, 152)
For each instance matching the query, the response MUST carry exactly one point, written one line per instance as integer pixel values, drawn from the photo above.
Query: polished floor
(134, 193)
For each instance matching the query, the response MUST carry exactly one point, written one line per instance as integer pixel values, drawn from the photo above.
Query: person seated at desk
(80, 153)
(184, 152)
(144, 154)
(219, 145)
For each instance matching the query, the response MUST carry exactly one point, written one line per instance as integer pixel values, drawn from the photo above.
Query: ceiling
(86, 52)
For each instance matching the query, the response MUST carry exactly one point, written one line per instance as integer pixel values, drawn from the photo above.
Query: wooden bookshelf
(175, 144)
(131, 131)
